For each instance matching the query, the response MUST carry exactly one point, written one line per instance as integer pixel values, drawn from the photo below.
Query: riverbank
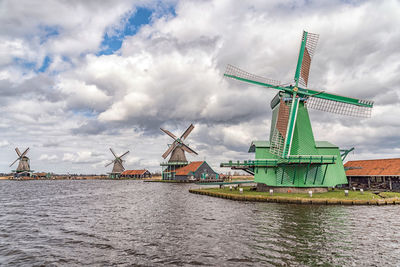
(336, 197)
(99, 177)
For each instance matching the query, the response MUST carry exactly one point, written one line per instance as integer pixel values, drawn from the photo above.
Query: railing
(301, 159)
(174, 163)
(311, 159)
(251, 163)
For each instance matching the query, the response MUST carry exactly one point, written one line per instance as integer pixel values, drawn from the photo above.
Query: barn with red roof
(375, 173)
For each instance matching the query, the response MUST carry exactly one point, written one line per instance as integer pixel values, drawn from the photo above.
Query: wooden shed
(374, 174)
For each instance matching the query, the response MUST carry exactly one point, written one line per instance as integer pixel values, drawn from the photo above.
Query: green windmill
(291, 157)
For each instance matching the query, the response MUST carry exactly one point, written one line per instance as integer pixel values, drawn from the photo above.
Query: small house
(196, 170)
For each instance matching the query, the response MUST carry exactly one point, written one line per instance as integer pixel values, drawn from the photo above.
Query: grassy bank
(332, 197)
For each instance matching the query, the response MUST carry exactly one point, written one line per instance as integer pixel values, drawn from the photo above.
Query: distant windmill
(23, 165)
(178, 147)
(177, 150)
(118, 167)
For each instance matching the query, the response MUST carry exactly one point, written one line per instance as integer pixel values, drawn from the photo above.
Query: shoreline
(293, 199)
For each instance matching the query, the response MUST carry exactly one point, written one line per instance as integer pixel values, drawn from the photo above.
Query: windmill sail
(338, 107)
(239, 74)
(278, 134)
(187, 132)
(178, 147)
(169, 150)
(307, 50)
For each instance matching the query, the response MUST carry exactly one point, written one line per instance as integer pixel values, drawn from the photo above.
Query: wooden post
(390, 183)
(369, 182)
(349, 181)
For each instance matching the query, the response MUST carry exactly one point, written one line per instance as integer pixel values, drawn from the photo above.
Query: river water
(106, 223)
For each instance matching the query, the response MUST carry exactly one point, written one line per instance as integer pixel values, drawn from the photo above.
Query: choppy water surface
(132, 222)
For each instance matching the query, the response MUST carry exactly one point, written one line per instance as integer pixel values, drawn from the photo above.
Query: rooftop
(374, 167)
(191, 167)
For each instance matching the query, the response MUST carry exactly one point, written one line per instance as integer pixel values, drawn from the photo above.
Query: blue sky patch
(48, 32)
(45, 65)
(110, 44)
(30, 65)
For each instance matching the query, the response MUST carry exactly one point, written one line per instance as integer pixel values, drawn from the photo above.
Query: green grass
(336, 194)
(389, 194)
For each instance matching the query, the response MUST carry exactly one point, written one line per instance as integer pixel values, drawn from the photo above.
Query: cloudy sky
(78, 77)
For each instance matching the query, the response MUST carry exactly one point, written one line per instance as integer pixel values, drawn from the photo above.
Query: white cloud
(80, 157)
(46, 157)
(170, 74)
(4, 143)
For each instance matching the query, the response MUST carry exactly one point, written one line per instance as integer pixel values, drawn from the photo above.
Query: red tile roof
(375, 167)
(133, 172)
(191, 167)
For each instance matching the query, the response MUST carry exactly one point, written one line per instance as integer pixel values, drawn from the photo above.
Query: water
(132, 222)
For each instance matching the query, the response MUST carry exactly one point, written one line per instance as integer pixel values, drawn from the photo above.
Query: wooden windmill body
(177, 150)
(118, 166)
(23, 168)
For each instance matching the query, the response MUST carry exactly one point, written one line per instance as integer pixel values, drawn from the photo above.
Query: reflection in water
(132, 222)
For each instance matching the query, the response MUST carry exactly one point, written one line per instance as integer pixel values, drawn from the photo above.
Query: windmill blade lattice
(188, 149)
(108, 164)
(187, 132)
(112, 151)
(14, 162)
(18, 152)
(124, 154)
(236, 73)
(280, 129)
(169, 150)
(25, 152)
(340, 107)
(305, 57)
(169, 133)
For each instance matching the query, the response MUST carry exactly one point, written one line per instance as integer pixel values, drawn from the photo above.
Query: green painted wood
(300, 59)
(302, 92)
(333, 97)
(291, 125)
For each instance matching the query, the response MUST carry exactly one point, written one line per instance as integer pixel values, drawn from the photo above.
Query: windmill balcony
(305, 159)
(174, 163)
